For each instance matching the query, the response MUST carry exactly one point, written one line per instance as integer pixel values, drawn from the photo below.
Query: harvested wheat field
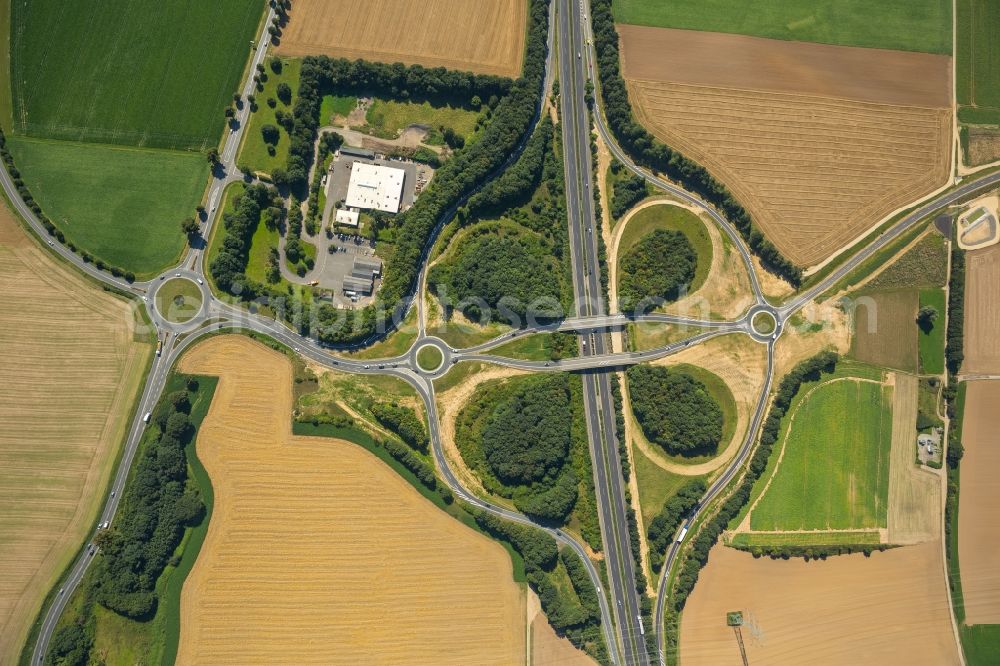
(979, 504)
(547, 648)
(69, 373)
(982, 311)
(891, 608)
(317, 552)
(485, 36)
(818, 142)
(914, 514)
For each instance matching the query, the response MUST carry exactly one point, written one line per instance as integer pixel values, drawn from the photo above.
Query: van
(145, 419)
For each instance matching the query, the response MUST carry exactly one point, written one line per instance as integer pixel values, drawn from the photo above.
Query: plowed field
(69, 370)
(485, 36)
(317, 552)
(982, 311)
(891, 608)
(817, 146)
(979, 510)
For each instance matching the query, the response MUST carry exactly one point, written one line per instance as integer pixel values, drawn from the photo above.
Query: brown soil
(486, 36)
(984, 145)
(317, 552)
(798, 341)
(881, 321)
(982, 311)
(979, 509)
(70, 373)
(891, 608)
(914, 491)
(725, 60)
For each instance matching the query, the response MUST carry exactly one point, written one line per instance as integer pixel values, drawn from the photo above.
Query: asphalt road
(592, 321)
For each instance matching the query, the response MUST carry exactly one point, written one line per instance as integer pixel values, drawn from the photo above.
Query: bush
(656, 269)
(627, 192)
(270, 134)
(404, 422)
(675, 410)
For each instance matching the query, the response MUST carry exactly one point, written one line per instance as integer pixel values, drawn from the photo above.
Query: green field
(907, 25)
(932, 342)
(6, 110)
(390, 116)
(656, 485)
(263, 240)
(977, 61)
(136, 72)
(123, 205)
(834, 470)
(539, 347)
(253, 152)
(335, 105)
(653, 218)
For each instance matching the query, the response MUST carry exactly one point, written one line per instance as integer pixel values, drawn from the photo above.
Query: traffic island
(179, 300)
(429, 358)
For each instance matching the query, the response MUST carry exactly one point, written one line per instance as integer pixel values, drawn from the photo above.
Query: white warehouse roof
(348, 217)
(374, 186)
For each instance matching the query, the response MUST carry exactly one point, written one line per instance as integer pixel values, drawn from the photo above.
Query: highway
(620, 605)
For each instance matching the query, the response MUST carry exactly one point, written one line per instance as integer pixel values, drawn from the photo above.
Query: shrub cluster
(809, 370)
(954, 353)
(50, 228)
(648, 151)
(156, 507)
(229, 266)
(656, 269)
(663, 527)
(627, 192)
(578, 619)
(404, 422)
(784, 552)
(409, 460)
(675, 410)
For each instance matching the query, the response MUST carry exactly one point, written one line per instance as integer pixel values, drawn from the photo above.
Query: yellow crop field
(317, 552)
(70, 370)
(485, 36)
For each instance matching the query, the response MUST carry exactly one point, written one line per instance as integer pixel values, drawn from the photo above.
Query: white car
(200, 281)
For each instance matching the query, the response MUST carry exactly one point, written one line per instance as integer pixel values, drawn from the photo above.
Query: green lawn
(907, 25)
(253, 151)
(932, 342)
(678, 219)
(977, 61)
(123, 205)
(335, 105)
(429, 358)
(391, 116)
(834, 473)
(260, 250)
(535, 347)
(178, 300)
(135, 72)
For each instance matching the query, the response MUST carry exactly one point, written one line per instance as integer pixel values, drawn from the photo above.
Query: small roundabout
(430, 357)
(178, 300)
(764, 324)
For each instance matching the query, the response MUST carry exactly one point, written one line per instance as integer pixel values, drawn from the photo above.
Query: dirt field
(318, 553)
(979, 505)
(817, 327)
(891, 608)
(914, 492)
(486, 36)
(736, 61)
(69, 374)
(547, 649)
(984, 145)
(817, 148)
(881, 323)
(982, 311)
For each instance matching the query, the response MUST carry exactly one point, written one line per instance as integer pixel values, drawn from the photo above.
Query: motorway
(620, 606)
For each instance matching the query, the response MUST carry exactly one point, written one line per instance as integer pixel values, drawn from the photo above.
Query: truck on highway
(684, 531)
(159, 347)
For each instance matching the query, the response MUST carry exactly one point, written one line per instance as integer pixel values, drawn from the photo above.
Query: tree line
(404, 422)
(811, 369)
(674, 410)
(577, 619)
(50, 228)
(229, 266)
(656, 269)
(663, 527)
(648, 151)
(626, 192)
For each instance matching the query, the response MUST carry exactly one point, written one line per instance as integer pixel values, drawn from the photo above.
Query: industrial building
(362, 278)
(375, 186)
(347, 217)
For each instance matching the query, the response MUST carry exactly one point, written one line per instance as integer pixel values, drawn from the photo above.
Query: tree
(230, 113)
(236, 98)
(276, 64)
(675, 410)
(213, 156)
(190, 227)
(476, 103)
(270, 133)
(284, 92)
(926, 317)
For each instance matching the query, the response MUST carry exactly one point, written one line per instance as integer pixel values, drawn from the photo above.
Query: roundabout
(430, 357)
(178, 300)
(764, 323)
